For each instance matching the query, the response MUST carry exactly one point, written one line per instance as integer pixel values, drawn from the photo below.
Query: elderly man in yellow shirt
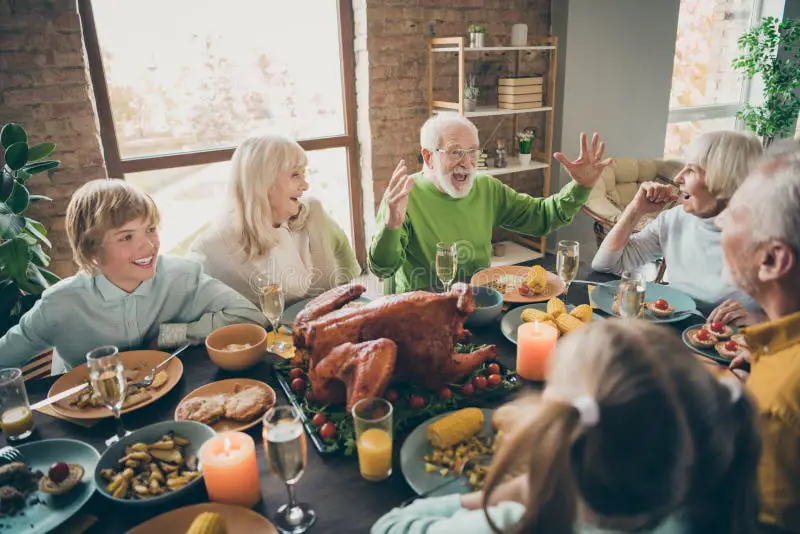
(761, 246)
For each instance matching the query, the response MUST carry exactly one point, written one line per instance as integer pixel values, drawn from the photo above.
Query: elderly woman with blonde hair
(716, 165)
(268, 226)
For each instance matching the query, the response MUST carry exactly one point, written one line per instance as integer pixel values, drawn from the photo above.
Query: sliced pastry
(730, 349)
(660, 308)
(719, 329)
(702, 338)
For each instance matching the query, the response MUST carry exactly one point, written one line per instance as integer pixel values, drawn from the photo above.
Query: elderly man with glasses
(448, 202)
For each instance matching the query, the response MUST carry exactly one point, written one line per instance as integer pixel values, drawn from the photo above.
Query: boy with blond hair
(125, 293)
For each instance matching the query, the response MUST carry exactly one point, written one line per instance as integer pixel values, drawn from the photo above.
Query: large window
(706, 92)
(179, 83)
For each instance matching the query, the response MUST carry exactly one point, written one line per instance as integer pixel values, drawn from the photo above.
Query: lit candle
(230, 469)
(375, 454)
(535, 343)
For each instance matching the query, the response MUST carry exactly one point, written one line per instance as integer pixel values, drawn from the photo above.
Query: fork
(148, 380)
(431, 491)
(9, 454)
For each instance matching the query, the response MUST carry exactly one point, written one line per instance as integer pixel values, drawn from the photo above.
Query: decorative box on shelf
(520, 92)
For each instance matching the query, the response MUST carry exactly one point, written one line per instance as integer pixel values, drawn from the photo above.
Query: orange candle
(535, 344)
(230, 469)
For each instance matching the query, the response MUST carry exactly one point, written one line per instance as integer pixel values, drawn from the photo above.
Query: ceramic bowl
(221, 346)
(488, 306)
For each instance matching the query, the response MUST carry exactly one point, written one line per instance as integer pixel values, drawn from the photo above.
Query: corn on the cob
(583, 312)
(455, 427)
(532, 314)
(208, 523)
(566, 323)
(537, 279)
(555, 307)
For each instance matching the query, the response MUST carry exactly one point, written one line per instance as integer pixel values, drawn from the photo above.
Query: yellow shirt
(775, 383)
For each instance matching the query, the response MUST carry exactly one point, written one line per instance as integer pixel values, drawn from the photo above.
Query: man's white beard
(446, 183)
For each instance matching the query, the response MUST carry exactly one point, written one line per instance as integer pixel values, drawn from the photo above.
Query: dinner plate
(512, 276)
(228, 387)
(237, 520)
(513, 319)
(709, 353)
(141, 360)
(290, 313)
(412, 462)
(603, 297)
(54, 510)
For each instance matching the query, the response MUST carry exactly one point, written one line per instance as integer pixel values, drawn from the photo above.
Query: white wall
(615, 72)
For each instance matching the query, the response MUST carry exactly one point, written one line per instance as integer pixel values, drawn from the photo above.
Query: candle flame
(227, 444)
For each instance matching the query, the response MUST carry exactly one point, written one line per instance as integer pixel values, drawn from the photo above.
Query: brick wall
(391, 72)
(44, 85)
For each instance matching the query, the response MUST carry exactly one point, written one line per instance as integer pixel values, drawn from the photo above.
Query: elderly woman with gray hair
(716, 165)
(268, 225)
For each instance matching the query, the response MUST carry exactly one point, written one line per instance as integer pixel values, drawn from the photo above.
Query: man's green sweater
(408, 254)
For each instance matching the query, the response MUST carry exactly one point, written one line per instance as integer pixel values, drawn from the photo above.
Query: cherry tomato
(319, 419)
(377, 413)
(494, 380)
(445, 394)
(298, 385)
(493, 369)
(703, 335)
(467, 390)
(731, 345)
(327, 431)
(296, 373)
(391, 395)
(717, 326)
(525, 291)
(310, 397)
(661, 304)
(416, 402)
(479, 382)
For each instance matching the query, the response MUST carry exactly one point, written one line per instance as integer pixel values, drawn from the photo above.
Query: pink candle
(230, 469)
(535, 343)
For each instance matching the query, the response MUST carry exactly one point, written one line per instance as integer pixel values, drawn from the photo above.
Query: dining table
(332, 485)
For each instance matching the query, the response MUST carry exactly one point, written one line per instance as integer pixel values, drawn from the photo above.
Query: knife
(60, 396)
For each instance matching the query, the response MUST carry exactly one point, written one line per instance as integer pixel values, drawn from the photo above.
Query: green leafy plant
(23, 260)
(476, 28)
(771, 50)
(471, 89)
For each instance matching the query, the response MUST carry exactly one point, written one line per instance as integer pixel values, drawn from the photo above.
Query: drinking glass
(267, 287)
(285, 448)
(567, 259)
(630, 294)
(107, 377)
(372, 419)
(446, 263)
(16, 419)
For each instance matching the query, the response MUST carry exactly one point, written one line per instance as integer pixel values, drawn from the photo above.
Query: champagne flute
(286, 450)
(567, 259)
(446, 263)
(107, 377)
(631, 294)
(271, 298)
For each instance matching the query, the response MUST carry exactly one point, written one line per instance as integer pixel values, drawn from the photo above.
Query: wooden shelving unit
(539, 161)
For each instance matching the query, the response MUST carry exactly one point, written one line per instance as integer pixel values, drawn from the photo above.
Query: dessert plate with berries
(717, 342)
(663, 304)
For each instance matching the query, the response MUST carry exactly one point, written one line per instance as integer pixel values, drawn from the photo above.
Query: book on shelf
(520, 99)
(524, 105)
(519, 89)
(528, 80)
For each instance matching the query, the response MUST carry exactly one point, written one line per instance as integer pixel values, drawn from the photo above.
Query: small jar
(501, 159)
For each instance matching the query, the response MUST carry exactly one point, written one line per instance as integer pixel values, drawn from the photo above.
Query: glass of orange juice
(372, 419)
(16, 419)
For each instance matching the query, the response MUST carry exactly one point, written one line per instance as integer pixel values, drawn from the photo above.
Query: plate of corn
(564, 317)
(435, 452)
(520, 284)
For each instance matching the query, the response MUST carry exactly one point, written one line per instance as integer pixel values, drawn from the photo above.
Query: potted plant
(23, 261)
(771, 50)
(525, 138)
(471, 93)
(476, 34)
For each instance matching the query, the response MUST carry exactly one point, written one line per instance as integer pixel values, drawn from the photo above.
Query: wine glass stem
(292, 497)
(118, 420)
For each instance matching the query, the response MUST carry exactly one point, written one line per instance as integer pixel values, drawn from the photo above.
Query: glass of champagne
(107, 377)
(446, 263)
(567, 259)
(285, 447)
(630, 295)
(271, 298)
(15, 412)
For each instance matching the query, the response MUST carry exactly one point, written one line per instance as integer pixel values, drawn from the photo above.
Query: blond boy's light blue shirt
(179, 304)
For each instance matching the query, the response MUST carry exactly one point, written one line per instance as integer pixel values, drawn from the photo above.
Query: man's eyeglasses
(456, 154)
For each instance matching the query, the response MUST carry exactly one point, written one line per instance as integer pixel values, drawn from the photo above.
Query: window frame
(117, 166)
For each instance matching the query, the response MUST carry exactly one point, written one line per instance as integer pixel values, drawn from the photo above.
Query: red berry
(298, 385)
(717, 326)
(296, 373)
(493, 369)
(703, 335)
(494, 380)
(327, 431)
(661, 304)
(416, 402)
(467, 390)
(445, 394)
(58, 472)
(319, 419)
(391, 395)
(479, 382)
(731, 345)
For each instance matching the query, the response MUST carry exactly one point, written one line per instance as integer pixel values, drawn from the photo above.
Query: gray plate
(55, 509)
(416, 446)
(711, 354)
(290, 313)
(603, 297)
(513, 319)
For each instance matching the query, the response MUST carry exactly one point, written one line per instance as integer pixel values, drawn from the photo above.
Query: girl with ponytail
(631, 434)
